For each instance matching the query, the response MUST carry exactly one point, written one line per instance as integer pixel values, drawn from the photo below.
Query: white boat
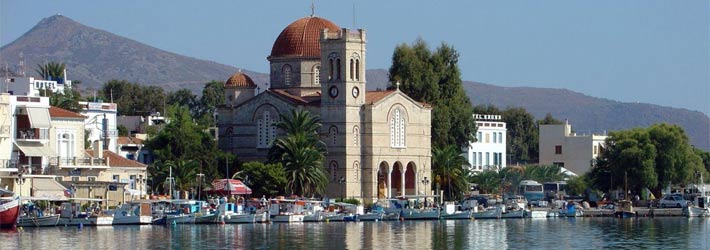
(288, 218)
(488, 213)
(373, 216)
(314, 217)
(71, 214)
(458, 215)
(288, 210)
(699, 208)
(38, 221)
(513, 214)
(229, 213)
(538, 214)
(181, 211)
(133, 214)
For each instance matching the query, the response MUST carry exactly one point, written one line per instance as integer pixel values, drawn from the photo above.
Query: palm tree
(301, 152)
(488, 181)
(184, 174)
(449, 167)
(51, 70)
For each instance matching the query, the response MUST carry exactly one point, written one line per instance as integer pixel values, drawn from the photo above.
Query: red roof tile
(302, 38)
(63, 113)
(115, 160)
(123, 140)
(309, 100)
(375, 96)
(239, 80)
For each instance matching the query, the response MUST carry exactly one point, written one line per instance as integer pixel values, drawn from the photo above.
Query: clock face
(333, 91)
(356, 92)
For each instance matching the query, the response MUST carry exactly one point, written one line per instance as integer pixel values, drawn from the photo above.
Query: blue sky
(633, 51)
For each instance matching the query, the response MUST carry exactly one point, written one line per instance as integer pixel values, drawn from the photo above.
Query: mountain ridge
(95, 56)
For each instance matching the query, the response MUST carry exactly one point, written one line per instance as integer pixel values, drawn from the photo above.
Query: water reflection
(558, 233)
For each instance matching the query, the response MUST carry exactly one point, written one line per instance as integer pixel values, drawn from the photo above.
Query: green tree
(122, 130)
(652, 157)
(543, 173)
(434, 78)
(705, 157)
(489, 181)
(68, 99)
(183, 97)
(576, 185)
(132, 98)
(265, 179)
(212, 96)
(51, 70)
(549, 120)
(522, 139)
(450, 170)
(302, 153)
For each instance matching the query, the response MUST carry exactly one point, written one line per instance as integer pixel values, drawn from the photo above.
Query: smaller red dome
(239, 80)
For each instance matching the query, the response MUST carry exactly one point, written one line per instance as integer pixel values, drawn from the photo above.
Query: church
(378, 142)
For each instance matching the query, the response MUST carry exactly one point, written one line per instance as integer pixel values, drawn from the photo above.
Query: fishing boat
(133, 213)
(514, 208)
(458, 215)
(229, 213)
(700, 207)
(181, 212)
(571, 210)
(625, 208)
(9, 208)
(287, 210)
(72, 214)
(32, 216)
(410, 208)
(487, 213)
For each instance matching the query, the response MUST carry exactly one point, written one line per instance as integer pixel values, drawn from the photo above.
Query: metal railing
(77, 161)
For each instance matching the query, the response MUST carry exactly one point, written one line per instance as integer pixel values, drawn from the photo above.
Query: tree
(183, 139)
(133, 99)
(450, 171)
(301, 152)
(653, 157)
(68, 99)
(51, 70)
(488, 181)
(434, 78)
(549, 120)
(522, 136)
(212, 96)
(183, 97)
(122, 130)
(267, 179)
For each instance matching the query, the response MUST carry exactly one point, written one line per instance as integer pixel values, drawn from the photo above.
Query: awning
(47, 188)
(35, 149)
(39, 117)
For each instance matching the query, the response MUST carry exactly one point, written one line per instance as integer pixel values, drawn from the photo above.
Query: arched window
(356, 135)
(334, 134)
(333, 169)
(356, 171)
(337, 64)
(287, 74)
(352, 69)
(357, 69)
(316, 75)
(330, 70)
(65, 145)
(397, 129)
(266, 131)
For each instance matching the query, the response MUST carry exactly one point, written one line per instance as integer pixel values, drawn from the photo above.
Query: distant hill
(95, 56)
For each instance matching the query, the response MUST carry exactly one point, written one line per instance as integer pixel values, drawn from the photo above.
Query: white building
(29, 86)
(101, 123)
(489, 149)
(562, 147)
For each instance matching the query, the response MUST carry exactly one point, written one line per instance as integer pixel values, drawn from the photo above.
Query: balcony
(79, 162)
(32, 134)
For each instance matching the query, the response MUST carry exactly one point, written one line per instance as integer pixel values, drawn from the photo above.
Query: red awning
(229, 187)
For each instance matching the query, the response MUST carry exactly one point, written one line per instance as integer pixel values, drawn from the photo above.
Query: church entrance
(382, 180)
(410, 181)
(397, 185)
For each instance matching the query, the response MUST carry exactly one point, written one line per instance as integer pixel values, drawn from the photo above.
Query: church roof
(372, 97)
(239, 80)
(302, 38)
(308, 100)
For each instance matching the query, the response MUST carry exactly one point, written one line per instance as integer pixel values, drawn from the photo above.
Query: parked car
(673, 200)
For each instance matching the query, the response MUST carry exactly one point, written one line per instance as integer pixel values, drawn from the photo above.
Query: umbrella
(229, 187)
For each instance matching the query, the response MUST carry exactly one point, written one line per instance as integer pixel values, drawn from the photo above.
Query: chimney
(98, 149)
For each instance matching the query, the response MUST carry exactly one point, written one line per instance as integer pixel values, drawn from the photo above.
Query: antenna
(313, 8)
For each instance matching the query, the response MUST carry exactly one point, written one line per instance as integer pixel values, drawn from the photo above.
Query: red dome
(239, 80)
(302, 38)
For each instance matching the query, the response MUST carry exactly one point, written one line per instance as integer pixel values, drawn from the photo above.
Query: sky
(631, 51)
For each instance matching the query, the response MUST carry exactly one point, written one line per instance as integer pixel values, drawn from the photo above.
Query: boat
(458, 215)
(72, 215)
(32, 216)
(286, 210)
(571, 210)
(340, 211)
(181, 211)
(133, 213)
(537, 213)
(9, 209)
(488, 213)
(700, 207)
(409, 208)
(625, 208)
(514, 208)
(229, 213)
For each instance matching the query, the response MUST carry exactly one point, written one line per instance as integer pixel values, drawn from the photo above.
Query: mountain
(95, 56)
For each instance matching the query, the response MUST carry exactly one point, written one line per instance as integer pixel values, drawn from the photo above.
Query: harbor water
(551, 233)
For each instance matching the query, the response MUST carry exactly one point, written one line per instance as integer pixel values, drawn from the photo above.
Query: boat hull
(693, 211)
(41, 221)
(180, 219)
(87, 221)
(133, 220)
(288, 218)
(238, 218)
(9, 213)
(371, 217)
(412, 214)
(517, 214)
(488, 214)
(467, 215)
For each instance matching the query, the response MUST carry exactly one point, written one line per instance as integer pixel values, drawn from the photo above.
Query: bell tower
(343, 86)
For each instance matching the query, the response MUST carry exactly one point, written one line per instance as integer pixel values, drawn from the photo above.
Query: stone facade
(373, 138)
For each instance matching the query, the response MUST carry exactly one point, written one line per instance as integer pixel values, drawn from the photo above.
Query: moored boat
(133, 213)
(625, 209)
(9, 209)
(72, 215)
(34, 216)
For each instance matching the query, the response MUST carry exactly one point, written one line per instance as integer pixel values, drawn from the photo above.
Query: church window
(266, 131)
(66, 144)
(337, 64)
(330, 70)
(357, 69)
(356, 135)
(287, 74)
(333, 169)
(334, 134)
(397, 129)
(316, 75)
(352, 69)
(356, 171)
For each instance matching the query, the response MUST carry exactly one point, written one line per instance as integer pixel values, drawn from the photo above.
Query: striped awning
(39, 117)
(35, 149)
(47, 188)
